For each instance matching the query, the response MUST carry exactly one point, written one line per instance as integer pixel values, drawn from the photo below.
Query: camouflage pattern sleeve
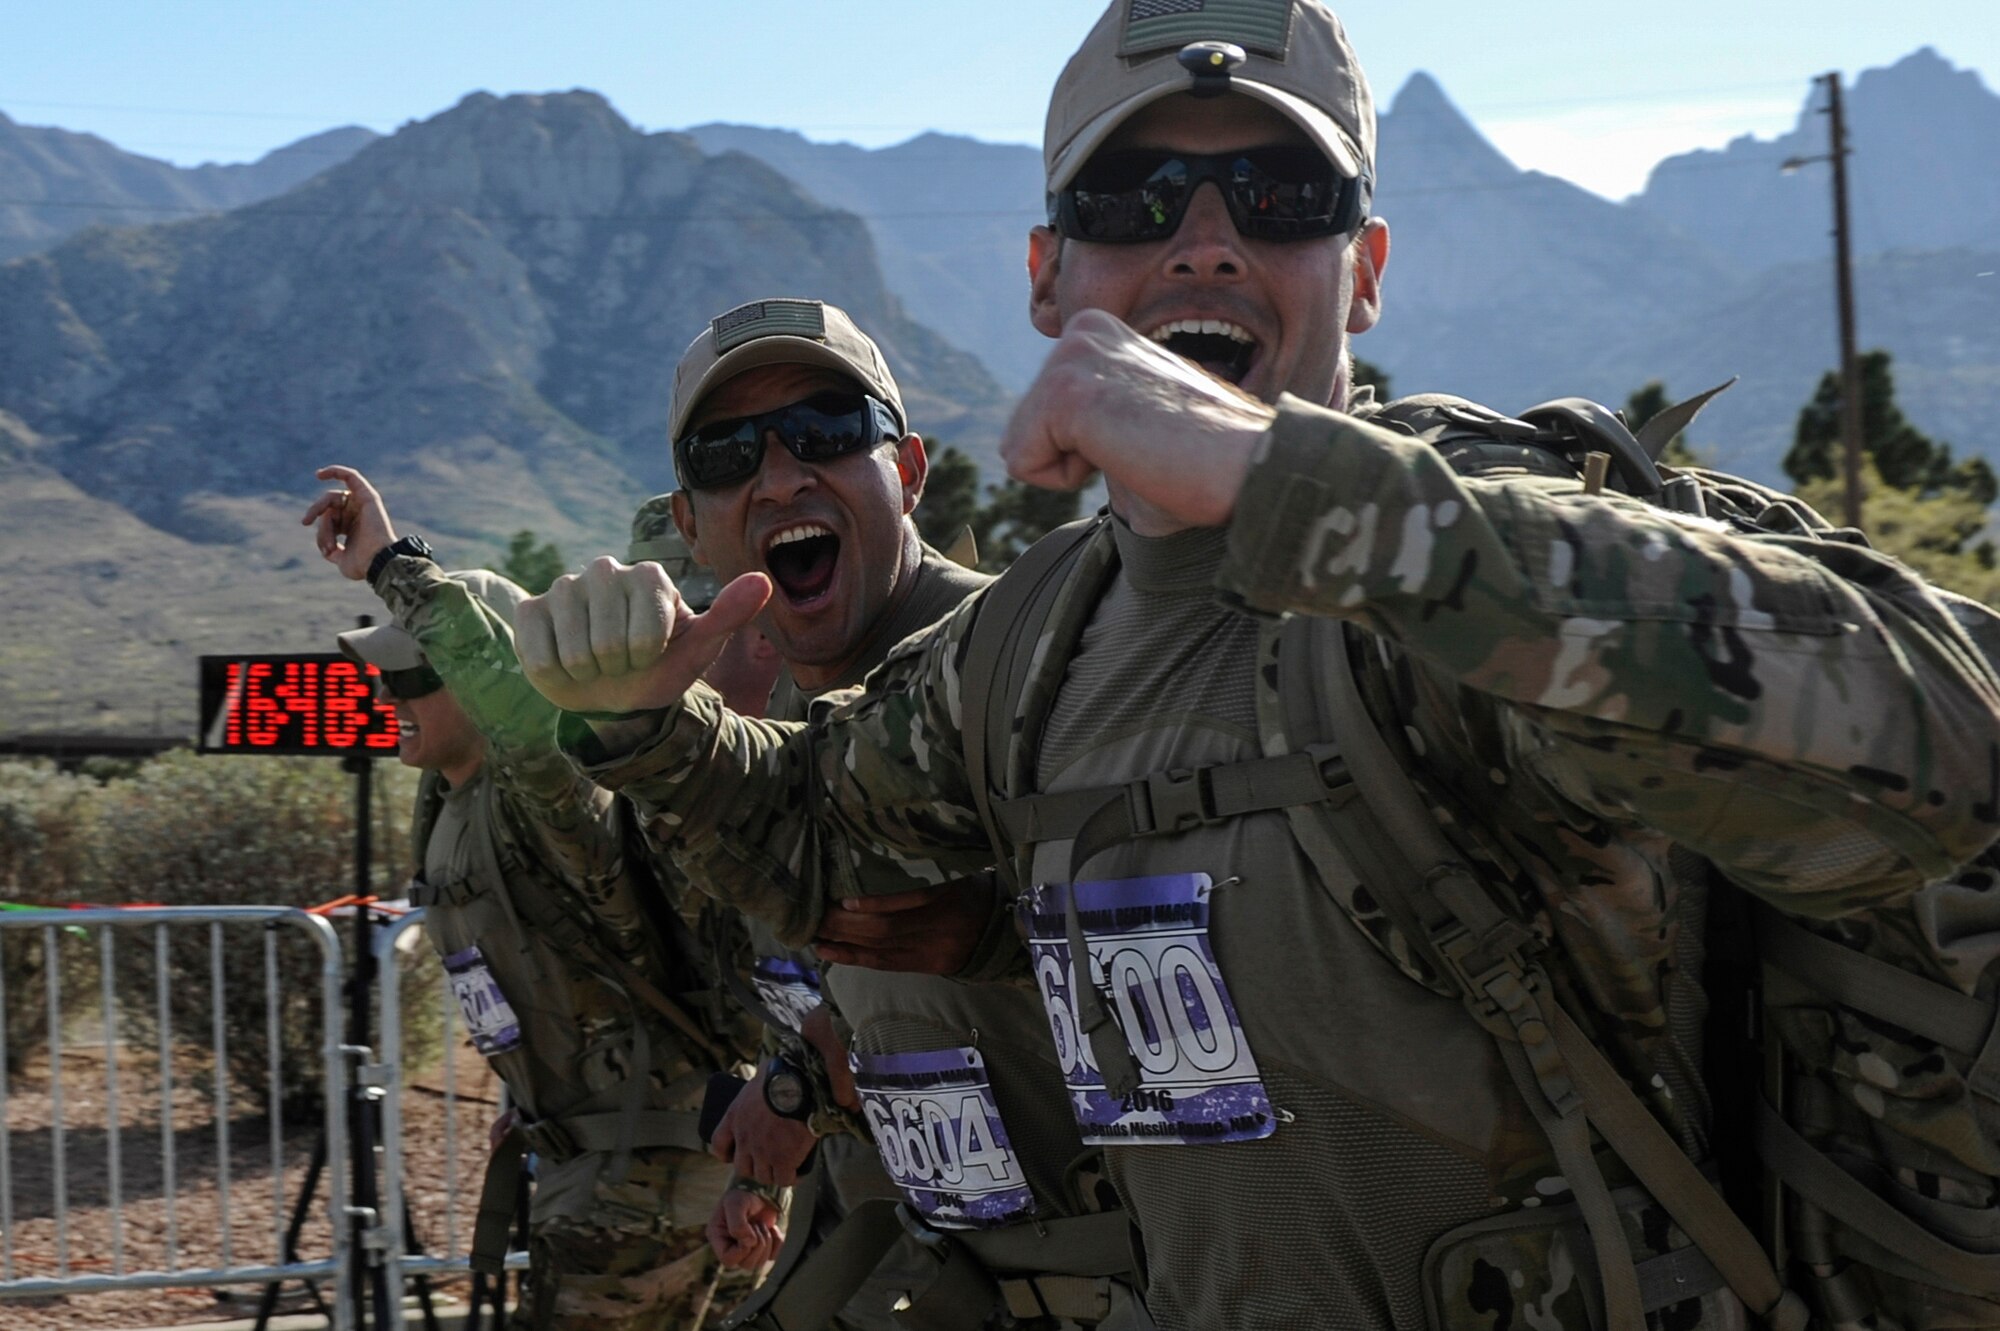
(1804, 712)
(570, 820)
(777, 818)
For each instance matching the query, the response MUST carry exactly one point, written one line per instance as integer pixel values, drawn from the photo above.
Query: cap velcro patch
(1264, 26)
(769, 318)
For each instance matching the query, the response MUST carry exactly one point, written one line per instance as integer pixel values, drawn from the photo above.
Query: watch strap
(402, 545)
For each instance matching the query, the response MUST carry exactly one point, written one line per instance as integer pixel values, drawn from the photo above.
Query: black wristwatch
(788, 1091)
(402, 545)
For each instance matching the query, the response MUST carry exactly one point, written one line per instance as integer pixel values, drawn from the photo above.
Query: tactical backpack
(561, 919)
(1878, 1216)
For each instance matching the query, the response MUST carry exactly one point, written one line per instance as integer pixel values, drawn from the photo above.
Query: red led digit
(318, 703)
(265, 719)
(340, 698)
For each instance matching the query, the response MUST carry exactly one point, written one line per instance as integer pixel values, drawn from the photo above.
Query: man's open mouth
(1224, 349)
(802, 559)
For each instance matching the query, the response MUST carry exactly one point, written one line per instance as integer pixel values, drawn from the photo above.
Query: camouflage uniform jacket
(884, 1012)
(1587, 684)
(525, 829)
(1809, 716)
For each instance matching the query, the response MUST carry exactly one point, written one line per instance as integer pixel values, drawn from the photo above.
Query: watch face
(785, 1092)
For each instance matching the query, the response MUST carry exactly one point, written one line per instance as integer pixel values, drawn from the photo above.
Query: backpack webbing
(1558, 1069)
(1012, 610)
(1570, 1086)
(571, 927)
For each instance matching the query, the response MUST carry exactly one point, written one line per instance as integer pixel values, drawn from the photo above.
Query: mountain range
(56, 181)
(1513, 287)
(482, 311)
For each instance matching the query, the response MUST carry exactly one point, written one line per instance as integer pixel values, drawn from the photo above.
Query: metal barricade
(464, 1160)
(178, 1064)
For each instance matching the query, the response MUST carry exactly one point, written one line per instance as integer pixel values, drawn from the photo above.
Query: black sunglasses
(403, 685)
(823, 427)
(1282, 192)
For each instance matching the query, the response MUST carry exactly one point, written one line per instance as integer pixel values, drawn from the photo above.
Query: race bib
(488, 1015)
(1148, 943)
(788, 989)
(940, 1137)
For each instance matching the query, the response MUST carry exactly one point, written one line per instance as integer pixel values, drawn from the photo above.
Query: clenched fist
(618, 638)
(1173, 441)
(746, 1229)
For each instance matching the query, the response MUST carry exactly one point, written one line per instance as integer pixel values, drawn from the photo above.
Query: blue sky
(1593, 90)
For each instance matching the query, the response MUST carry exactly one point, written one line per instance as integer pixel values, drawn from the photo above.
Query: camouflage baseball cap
(655, 537)
(1297, 60)
(779, 332)
(388, 647)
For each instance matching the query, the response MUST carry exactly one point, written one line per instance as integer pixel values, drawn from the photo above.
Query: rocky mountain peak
(1919, 129)
(58, 182)
(1923, 75)
(1423, 134)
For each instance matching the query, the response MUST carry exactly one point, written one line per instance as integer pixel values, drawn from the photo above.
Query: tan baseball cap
(655, 537)
(779, 332)
(387, 647)
(1297, 59)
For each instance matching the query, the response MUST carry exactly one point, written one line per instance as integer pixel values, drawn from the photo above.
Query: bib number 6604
(925, 1141)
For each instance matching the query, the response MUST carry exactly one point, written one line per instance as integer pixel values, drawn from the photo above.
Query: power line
(1677, 92)
(171, 111)
(260, 211)
(1529, 180)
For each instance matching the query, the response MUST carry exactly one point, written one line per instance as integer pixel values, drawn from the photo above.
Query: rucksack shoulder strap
(1012, 610)
(550, 907)
(1491, 958)
(430, 803)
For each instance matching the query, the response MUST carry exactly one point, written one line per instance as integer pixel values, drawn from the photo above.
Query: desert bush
(44, 860)
(190, 830)
(186, 830)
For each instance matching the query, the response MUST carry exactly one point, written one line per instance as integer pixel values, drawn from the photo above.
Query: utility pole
(1843, 276)
(1843, 259)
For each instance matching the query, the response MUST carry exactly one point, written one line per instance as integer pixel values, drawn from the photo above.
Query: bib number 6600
(1166, 1000)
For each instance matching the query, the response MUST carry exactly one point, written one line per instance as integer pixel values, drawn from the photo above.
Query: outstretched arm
(471, 648)
(1809, 715)
(750, 809)
(1806, 713)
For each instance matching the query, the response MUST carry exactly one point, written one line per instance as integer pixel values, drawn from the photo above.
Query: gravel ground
(184, 1230)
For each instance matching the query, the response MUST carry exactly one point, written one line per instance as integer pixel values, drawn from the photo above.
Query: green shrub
(189, 830)
(45, 818)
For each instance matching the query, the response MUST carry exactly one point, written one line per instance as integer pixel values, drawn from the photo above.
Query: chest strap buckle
(548, 1138)
(1172, 801)
(1494, 978)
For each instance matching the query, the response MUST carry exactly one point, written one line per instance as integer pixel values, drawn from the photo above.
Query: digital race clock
(300, 703)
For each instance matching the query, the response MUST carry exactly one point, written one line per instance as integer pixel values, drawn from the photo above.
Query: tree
(532, 563)
(1933, 535)
(1922, 507)
(1013, 517)
(1903, 455)
(1016, 516)
(951, 495)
